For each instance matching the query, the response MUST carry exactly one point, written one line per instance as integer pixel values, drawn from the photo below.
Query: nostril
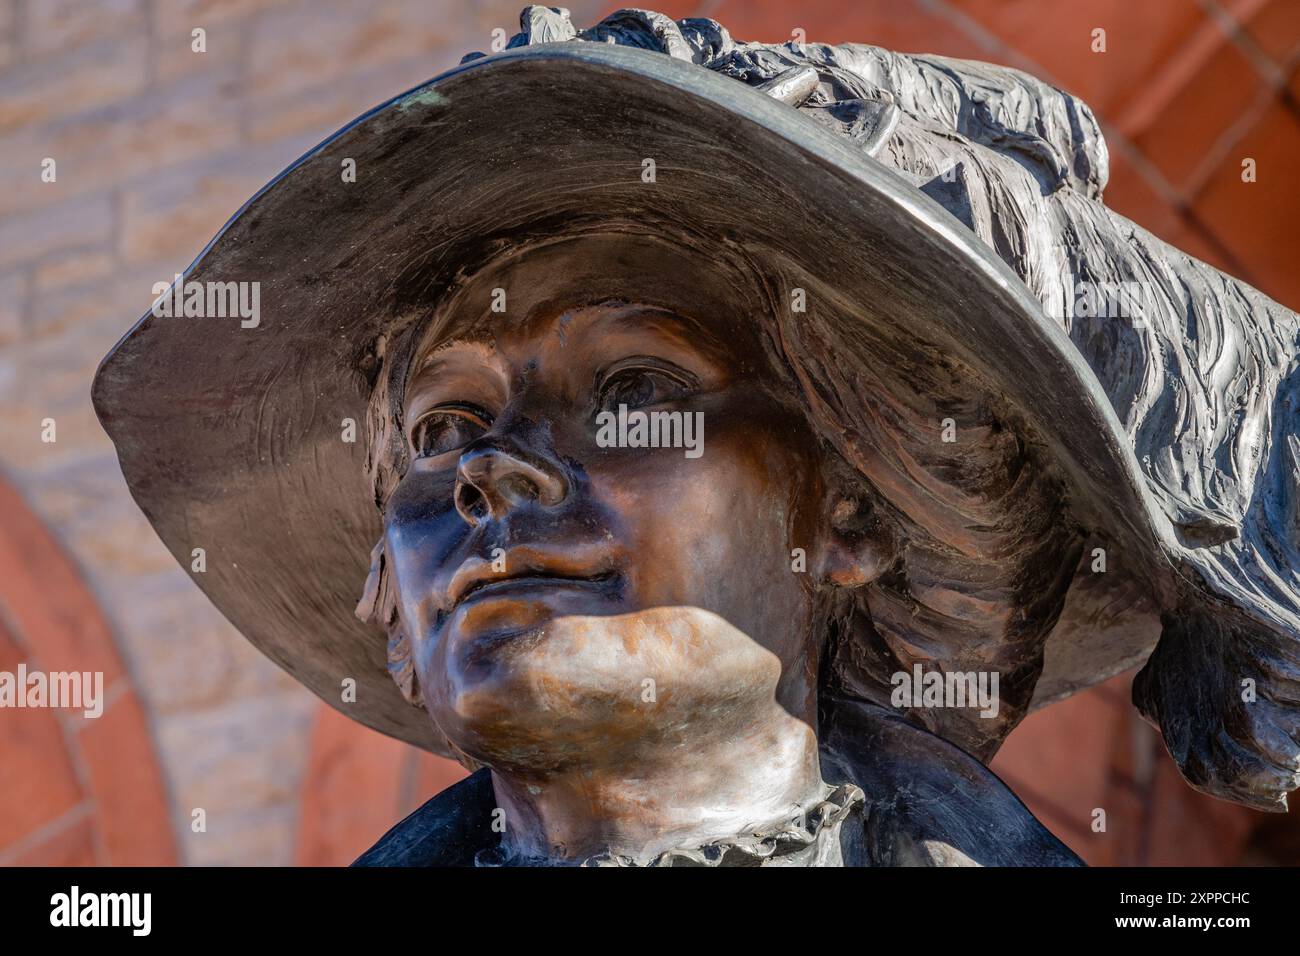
(471, 503)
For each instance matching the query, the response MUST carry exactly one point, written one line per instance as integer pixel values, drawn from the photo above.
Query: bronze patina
(747, 438)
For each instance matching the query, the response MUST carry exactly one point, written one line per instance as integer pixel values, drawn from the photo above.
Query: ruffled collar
(807, 838)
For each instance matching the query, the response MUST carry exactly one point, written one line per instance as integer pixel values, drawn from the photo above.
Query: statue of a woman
(757, 434)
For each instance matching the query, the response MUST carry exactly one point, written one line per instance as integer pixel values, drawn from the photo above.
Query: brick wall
(156, 145)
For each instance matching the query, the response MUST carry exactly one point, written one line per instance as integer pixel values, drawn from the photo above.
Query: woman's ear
(378, 606)
(856, 548)
(368, 608)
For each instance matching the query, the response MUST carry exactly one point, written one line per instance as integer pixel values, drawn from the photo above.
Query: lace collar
(809, 838)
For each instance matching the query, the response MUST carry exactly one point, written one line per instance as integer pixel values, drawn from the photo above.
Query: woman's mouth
(525, 569)
(503, 585)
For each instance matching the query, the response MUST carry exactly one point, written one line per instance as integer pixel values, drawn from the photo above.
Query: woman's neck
(713, 790)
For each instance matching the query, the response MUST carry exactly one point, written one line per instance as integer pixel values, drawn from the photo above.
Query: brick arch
(73, 790)
(358, 784)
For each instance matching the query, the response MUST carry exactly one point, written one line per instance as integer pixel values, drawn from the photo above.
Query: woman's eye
(637, 388)
(446, 429)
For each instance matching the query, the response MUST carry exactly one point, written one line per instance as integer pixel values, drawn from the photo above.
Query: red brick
(1063, 751)
(1058, 37)
(1256, 221)
(131, 811)
(38, 780)
(1197, 116)
(677, 9)
(349, 797)
(1192, 239)
(45, 599)
(1130, 193)
(1188, 828)
(1275, 27)
(1121, 843)
(358, 784)
(430, 776)
(72, 844)
(904, 25)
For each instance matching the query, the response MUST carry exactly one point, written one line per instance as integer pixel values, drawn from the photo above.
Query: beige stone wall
(155, 147)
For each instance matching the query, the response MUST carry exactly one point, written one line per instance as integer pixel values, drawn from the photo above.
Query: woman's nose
(495, 476)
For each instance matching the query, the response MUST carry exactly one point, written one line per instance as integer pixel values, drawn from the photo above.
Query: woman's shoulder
(449, 830)
(928, 803)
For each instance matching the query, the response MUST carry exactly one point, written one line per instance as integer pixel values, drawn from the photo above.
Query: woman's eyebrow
(479, 351)
(456, 369)
(685, 329)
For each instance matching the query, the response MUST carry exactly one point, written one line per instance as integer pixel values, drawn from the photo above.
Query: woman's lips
(505, 585)
(489, 610)
(508, 607)
(529, 569)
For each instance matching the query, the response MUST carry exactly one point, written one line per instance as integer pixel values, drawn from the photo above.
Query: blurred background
(156, 146)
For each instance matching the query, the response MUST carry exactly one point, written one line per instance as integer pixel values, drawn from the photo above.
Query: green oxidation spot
(423, 98)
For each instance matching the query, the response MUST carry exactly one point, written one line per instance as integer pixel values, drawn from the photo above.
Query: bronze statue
(744, 438)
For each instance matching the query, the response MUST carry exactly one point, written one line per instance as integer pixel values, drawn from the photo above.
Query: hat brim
(230, 437)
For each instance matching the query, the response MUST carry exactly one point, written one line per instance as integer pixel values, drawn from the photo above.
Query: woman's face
(573, 600)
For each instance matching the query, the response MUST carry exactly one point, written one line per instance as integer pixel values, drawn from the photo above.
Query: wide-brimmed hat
(231, 431)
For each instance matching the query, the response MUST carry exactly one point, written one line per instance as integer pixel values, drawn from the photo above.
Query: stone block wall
(156, 145)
